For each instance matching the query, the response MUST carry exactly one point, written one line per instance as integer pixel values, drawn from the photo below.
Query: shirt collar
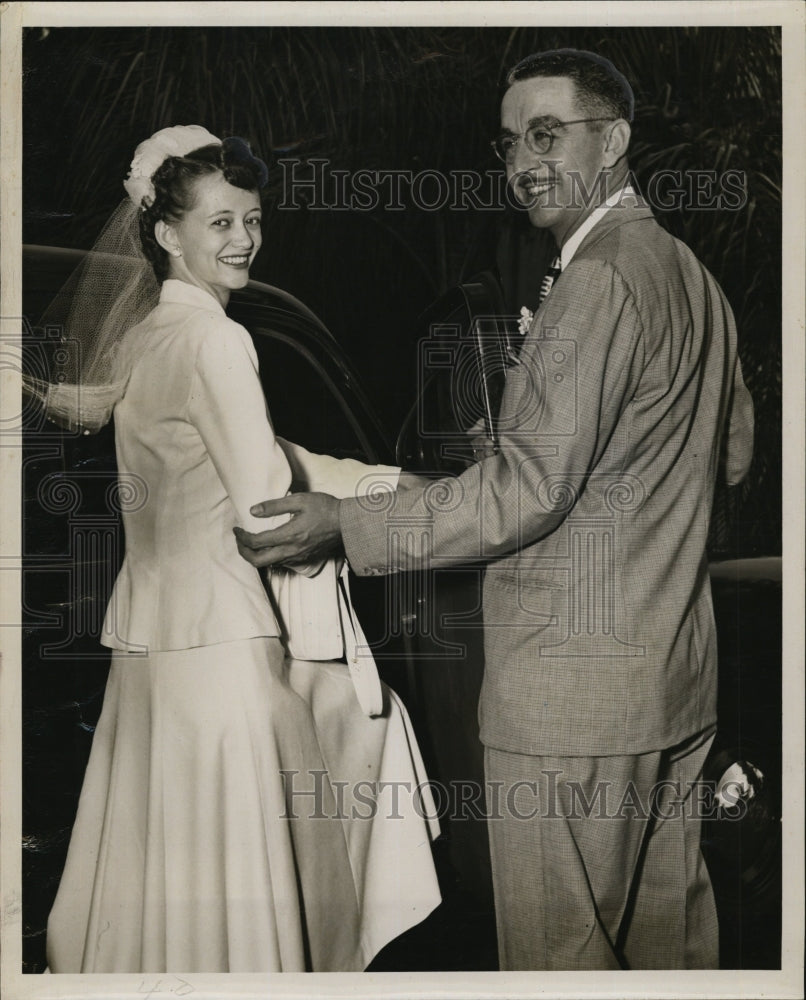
(571, 245)
(174, 290)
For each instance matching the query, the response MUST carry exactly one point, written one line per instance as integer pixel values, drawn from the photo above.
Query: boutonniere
(525, 322)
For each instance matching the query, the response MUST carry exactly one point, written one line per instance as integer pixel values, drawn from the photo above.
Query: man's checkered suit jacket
(626, 401)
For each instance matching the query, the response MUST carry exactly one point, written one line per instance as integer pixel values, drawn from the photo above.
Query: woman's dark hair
(174, 181)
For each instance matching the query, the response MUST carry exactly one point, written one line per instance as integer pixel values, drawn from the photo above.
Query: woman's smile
(233, 261)
(218, 237)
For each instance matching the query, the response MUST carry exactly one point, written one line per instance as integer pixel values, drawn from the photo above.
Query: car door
(466, 345)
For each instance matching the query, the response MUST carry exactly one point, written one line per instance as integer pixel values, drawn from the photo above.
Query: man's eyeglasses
(539, 138)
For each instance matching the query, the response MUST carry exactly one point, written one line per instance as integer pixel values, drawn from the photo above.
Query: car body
(426, 628)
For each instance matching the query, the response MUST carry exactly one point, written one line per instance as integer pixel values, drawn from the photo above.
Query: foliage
(410, 99)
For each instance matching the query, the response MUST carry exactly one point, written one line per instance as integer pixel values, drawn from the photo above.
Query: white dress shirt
(625, 196)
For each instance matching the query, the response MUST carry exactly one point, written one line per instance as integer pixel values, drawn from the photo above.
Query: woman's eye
(221, 223)
(254, 221)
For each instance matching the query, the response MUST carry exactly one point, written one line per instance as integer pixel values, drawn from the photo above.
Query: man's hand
(481, 444)
(312, 534)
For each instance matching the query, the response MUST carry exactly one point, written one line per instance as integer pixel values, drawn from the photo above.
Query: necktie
(550, 277)
(513, 349)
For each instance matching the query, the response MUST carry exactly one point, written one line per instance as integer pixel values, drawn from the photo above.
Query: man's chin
(541, 217)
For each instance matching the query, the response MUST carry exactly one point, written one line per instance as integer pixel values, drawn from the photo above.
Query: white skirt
(240, 813)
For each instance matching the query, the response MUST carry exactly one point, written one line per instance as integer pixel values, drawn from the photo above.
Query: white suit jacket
(195, 450)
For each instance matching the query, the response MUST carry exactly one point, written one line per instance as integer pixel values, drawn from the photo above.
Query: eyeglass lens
(538, 139)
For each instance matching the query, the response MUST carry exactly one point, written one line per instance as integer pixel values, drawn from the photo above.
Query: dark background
(413, 99)
(410, 99)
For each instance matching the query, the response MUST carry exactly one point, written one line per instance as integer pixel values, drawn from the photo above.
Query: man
(598, 704)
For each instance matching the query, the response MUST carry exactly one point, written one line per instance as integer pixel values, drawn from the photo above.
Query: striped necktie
(550, 277)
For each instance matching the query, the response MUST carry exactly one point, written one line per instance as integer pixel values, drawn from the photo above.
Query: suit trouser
(596, 860)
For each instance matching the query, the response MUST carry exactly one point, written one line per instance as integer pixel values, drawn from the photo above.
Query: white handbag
(319, 623)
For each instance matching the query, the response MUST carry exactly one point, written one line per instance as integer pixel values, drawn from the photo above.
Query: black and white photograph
(402, 511)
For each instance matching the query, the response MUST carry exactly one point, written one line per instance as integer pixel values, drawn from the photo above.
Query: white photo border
(788, 982)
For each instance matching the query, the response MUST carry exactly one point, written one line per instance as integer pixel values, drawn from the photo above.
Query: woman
(217, 828)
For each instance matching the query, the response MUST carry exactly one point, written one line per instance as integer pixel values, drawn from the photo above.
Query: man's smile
(530, 187)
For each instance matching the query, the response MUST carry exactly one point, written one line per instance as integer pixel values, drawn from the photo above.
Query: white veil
(111, 291)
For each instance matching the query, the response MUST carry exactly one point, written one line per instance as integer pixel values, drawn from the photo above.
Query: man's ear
(618, 141)
(166, 236)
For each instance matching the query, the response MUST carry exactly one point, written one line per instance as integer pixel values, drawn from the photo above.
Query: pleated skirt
(240, 813)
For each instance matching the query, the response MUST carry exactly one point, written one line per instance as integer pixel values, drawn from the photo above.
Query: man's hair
(601, 89)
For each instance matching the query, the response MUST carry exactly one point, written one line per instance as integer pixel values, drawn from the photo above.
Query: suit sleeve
(579, 368)
(228, 408)
(740, 431)
(340, 477)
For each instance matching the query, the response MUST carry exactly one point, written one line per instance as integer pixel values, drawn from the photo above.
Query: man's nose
(523, 158)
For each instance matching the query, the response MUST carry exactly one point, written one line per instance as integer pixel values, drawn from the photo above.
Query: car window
(463, 359)
(305, 400)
